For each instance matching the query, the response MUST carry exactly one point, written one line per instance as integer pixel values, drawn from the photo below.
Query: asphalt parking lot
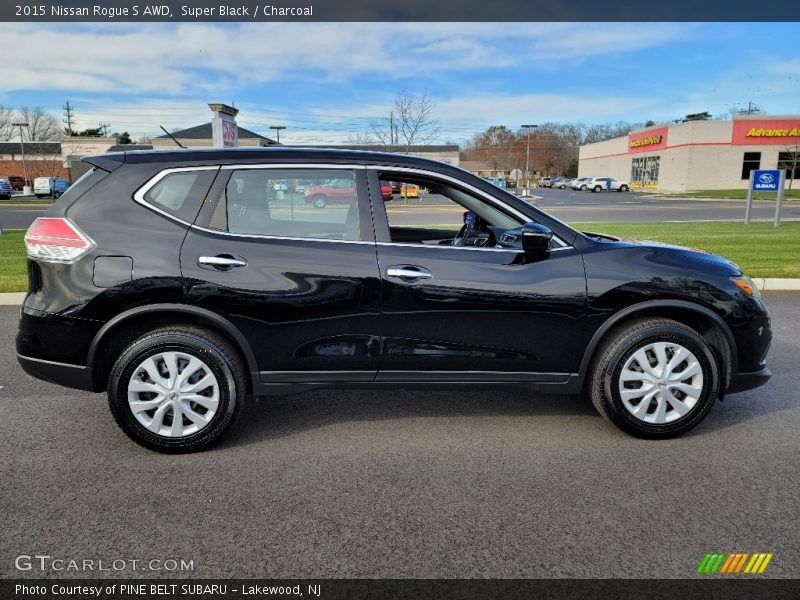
(407, 484)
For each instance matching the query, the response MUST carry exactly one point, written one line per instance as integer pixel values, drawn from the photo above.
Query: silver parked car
(580, 183)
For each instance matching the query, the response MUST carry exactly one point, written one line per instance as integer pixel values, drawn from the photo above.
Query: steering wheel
(463, 234)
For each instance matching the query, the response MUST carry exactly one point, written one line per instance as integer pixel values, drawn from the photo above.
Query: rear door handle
(222, 262)
(408, 272)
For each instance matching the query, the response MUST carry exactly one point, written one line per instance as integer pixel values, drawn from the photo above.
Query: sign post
(224, 131)
(765, 181)
(779, 199)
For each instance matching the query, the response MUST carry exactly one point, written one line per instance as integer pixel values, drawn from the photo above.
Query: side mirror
(536, 240)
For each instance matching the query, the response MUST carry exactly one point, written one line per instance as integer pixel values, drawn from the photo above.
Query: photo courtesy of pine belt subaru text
(184, 282)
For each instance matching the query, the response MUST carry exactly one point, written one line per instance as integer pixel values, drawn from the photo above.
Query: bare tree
(7, 130)
(360, 139)
(790, 161)
(409, 122)
(42, 125)
(44, 159)
(499, 147)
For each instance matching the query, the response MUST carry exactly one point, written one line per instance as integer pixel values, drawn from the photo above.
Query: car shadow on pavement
(278, 416)
(275, 417)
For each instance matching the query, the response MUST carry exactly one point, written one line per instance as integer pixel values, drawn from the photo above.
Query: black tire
(623, 188)
(597, 188)
(319, 201)
(621, 344)
(56, 195)
(583, 188)
(214, 351)
(38, 196)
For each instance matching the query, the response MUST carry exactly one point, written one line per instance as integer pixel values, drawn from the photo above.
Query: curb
(763, 284)
(777, 285)
(12, 298)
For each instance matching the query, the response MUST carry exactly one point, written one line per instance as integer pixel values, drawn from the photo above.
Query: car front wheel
(597, 188)
(319, 201)
(655, 378)
(583, 188)
(623, 188)
(176, 389)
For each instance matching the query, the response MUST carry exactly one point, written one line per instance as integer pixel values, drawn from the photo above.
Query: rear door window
(323, 204)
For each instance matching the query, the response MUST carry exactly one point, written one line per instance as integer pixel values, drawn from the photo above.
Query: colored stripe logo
(734, 563)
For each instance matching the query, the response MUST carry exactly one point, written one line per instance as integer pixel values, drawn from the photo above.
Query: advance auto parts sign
(645, 141)
(753, 132)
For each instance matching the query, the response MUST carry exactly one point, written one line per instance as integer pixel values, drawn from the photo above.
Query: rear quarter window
(181, 193)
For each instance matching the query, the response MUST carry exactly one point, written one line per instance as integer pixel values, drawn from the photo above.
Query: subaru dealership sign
(766, 181)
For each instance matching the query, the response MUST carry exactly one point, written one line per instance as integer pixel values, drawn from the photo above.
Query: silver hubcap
(173, 394)
(661, 382)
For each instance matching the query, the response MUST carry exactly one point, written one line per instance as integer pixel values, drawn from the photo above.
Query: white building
(696, 155)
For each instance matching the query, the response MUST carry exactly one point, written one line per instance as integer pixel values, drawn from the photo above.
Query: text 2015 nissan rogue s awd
(182, 283)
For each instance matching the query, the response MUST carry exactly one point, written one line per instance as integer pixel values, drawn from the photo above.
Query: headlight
(747, 285)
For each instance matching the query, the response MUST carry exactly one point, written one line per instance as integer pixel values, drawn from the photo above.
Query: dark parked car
(173, 281)
(6, 191)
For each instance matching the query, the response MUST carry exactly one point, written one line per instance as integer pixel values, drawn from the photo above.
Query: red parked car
(17, 182)
(386, 190)
(338, 191)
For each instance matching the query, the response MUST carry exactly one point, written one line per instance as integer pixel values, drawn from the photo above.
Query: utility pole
(22, 148)
(391, 128)
(68, 118)
(528, 157)
(277, 129)
(104, 127)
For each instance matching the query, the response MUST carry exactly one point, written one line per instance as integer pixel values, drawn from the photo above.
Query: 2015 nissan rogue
(182, 282)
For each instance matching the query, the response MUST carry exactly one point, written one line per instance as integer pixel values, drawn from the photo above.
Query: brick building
(42, 159)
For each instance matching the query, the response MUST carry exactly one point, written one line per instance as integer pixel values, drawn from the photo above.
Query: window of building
(751, 162)
(790, 162)
(645, 172)
(301, 203)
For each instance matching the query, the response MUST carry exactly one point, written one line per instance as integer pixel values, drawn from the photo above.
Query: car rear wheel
(176, 389)
(319, 201)
(583, 188)
(597, 188)
(655, 378)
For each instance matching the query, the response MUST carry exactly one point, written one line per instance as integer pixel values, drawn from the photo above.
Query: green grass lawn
(13, 264)
(760, 249)
(738, 194)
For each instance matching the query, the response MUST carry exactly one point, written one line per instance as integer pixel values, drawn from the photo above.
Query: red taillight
(56, 240)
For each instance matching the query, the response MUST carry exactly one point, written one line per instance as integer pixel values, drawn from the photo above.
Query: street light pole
(22, 148)
(528, 157)
(277, 129)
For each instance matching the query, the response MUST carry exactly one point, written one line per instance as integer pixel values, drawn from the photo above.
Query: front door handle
(408, 272)
(222, 262)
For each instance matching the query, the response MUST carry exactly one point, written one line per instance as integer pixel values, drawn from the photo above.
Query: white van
(46, 186)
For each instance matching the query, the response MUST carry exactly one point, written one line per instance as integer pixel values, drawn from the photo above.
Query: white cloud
(198, 58)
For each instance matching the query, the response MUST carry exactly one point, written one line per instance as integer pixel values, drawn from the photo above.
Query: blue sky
(326, 81)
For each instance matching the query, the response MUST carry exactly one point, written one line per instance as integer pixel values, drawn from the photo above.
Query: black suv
(185, 281)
